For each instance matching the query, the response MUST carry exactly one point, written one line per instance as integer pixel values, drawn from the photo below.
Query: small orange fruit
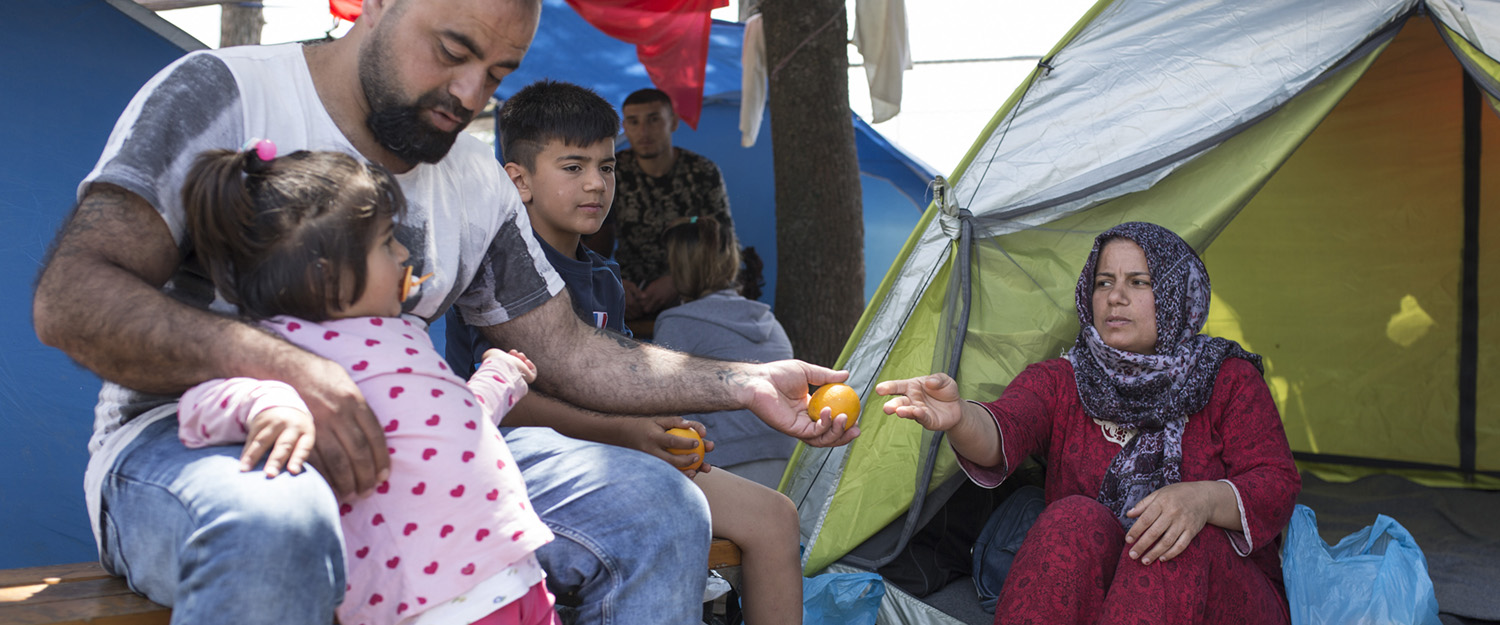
(840, 398)
(693, 434)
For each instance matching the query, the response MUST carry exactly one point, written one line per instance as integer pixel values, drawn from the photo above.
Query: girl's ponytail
(287, 235)
(221, 211)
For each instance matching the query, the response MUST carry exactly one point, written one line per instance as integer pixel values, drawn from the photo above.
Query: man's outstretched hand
(777, 393)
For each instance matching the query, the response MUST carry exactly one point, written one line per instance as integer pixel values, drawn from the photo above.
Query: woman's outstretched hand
(930, 400)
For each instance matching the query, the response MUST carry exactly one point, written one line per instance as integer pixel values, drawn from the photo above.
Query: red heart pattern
(413, 529)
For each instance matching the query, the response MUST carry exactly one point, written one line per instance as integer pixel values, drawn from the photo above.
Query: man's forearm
(607, 372)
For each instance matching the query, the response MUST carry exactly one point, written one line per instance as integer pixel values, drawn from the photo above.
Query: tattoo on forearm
(731, 377)
(624, 342)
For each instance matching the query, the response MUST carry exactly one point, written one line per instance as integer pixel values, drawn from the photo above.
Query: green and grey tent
(1333, 161)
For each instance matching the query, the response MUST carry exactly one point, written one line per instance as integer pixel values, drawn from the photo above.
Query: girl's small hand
(931, 400)
(286, 433)
(527, 368)
(1167, 520)
(515, 360)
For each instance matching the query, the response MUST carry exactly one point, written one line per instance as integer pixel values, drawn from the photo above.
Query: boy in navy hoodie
(559, 148)
(558, 140)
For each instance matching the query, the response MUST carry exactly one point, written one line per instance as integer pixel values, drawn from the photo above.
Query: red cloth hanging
(670, 37)
(347, 10)
(671, 40)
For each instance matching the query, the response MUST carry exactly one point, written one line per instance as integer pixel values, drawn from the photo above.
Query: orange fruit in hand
(693, 434)
(840, 398)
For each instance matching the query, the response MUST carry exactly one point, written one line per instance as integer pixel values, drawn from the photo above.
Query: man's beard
(398, 126)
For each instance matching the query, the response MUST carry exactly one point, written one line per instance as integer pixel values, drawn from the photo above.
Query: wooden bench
(723, 554)
(72, 594)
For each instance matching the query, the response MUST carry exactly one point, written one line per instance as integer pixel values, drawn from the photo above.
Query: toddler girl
(305, 244)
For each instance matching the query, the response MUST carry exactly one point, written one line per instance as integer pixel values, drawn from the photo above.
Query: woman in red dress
(1152, 433)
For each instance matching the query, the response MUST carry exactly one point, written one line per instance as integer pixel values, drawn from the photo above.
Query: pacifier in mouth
(409, 284)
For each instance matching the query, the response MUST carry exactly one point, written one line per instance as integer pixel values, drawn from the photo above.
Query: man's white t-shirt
(464, 221)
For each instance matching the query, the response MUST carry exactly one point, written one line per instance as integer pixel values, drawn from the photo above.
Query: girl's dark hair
(703, 257)
(280, 237)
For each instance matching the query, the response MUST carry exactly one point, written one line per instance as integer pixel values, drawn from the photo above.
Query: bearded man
(122, 293)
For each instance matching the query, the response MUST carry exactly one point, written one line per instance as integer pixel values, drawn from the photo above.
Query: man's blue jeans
(189, 530)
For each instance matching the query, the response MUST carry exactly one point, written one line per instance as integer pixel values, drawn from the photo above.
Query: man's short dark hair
(551, 110)
(649, 96)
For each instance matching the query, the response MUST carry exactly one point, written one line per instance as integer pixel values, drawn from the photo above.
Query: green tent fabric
(1330, 160)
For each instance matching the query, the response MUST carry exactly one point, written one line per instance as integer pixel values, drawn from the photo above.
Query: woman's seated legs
(1064, 568)
(1076, 568)
(1207, 583)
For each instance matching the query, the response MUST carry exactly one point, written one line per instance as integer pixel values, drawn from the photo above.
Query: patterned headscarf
(1152, 394)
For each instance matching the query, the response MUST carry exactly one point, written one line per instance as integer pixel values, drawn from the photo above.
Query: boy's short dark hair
(551, 110)
(648, 96)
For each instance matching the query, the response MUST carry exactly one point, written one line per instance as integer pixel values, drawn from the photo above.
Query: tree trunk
(819, 212)
(240, 24)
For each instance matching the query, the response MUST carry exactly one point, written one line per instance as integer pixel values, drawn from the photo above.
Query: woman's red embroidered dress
(1075, 567)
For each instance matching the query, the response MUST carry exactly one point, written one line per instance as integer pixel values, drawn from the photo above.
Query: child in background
(714, 320)
(558, 143)
(306, 244)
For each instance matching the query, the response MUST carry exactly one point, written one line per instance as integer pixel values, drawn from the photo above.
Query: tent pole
(1468, 350)
(963, 283)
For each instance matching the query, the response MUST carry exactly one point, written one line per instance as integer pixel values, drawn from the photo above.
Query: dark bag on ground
(1001, 537)
(942, 550)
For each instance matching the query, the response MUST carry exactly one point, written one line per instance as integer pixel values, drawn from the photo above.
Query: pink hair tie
(265, 150)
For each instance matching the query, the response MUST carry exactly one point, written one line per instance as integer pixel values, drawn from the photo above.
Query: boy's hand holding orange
(687, 440)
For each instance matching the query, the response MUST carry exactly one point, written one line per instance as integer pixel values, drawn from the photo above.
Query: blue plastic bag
(1375, 575)
(841, 598)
